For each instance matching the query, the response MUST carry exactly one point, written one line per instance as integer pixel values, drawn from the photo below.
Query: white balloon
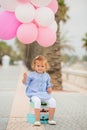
(54, 26)
(40, 3)
(9, 5)
(25, 13)
(44, 16)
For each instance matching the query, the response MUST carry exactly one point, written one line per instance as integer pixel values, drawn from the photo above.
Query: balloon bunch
(29, 20)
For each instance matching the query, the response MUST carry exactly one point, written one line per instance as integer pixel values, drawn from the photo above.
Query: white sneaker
(37, 123)
(52, 122)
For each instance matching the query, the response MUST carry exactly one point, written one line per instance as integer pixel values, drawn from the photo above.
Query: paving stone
(22, 124)
(71, 113)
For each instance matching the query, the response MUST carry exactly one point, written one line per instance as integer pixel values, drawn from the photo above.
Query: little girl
(38, 88)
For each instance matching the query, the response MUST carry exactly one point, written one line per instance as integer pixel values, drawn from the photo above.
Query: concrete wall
(75, 77)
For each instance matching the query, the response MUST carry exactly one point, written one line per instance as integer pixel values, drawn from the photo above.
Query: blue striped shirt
(37, 85)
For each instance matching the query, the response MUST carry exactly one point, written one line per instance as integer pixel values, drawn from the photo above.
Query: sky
(76, 26)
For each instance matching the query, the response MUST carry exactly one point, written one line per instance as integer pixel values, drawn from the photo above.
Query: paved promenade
(8, 84)
(71, 111)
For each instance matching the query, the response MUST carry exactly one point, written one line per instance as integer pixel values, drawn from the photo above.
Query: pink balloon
(46, 37)
(27, 33)
(24, 1)
(53, 5)
(8, 25)
(36, 23)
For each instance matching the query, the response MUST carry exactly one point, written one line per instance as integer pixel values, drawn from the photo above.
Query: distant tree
(66, 58)
(20, 49)
(65, 43)
(84, 39)
(73, 59)
(84, 58)
(70, 59)
(6, 50)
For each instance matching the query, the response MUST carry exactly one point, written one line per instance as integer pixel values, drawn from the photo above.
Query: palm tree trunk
(54, 57)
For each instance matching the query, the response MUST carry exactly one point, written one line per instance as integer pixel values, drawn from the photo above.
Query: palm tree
(85, 41)
(52, 53)
(65, 43)
(20, 49)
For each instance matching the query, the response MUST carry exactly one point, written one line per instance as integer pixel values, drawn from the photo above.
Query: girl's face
(40, 66)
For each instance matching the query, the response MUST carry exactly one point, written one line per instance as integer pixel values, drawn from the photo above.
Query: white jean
(37, 102)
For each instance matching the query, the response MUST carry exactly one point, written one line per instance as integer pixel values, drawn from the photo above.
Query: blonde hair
(40, 58)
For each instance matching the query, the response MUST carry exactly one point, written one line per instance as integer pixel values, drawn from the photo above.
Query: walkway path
(8, 84)
(71, 112)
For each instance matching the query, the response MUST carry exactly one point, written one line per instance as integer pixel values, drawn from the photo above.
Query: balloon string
(27, 53)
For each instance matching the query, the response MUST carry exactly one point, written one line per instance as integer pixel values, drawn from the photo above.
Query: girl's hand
(24, 78)
(49, 90)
